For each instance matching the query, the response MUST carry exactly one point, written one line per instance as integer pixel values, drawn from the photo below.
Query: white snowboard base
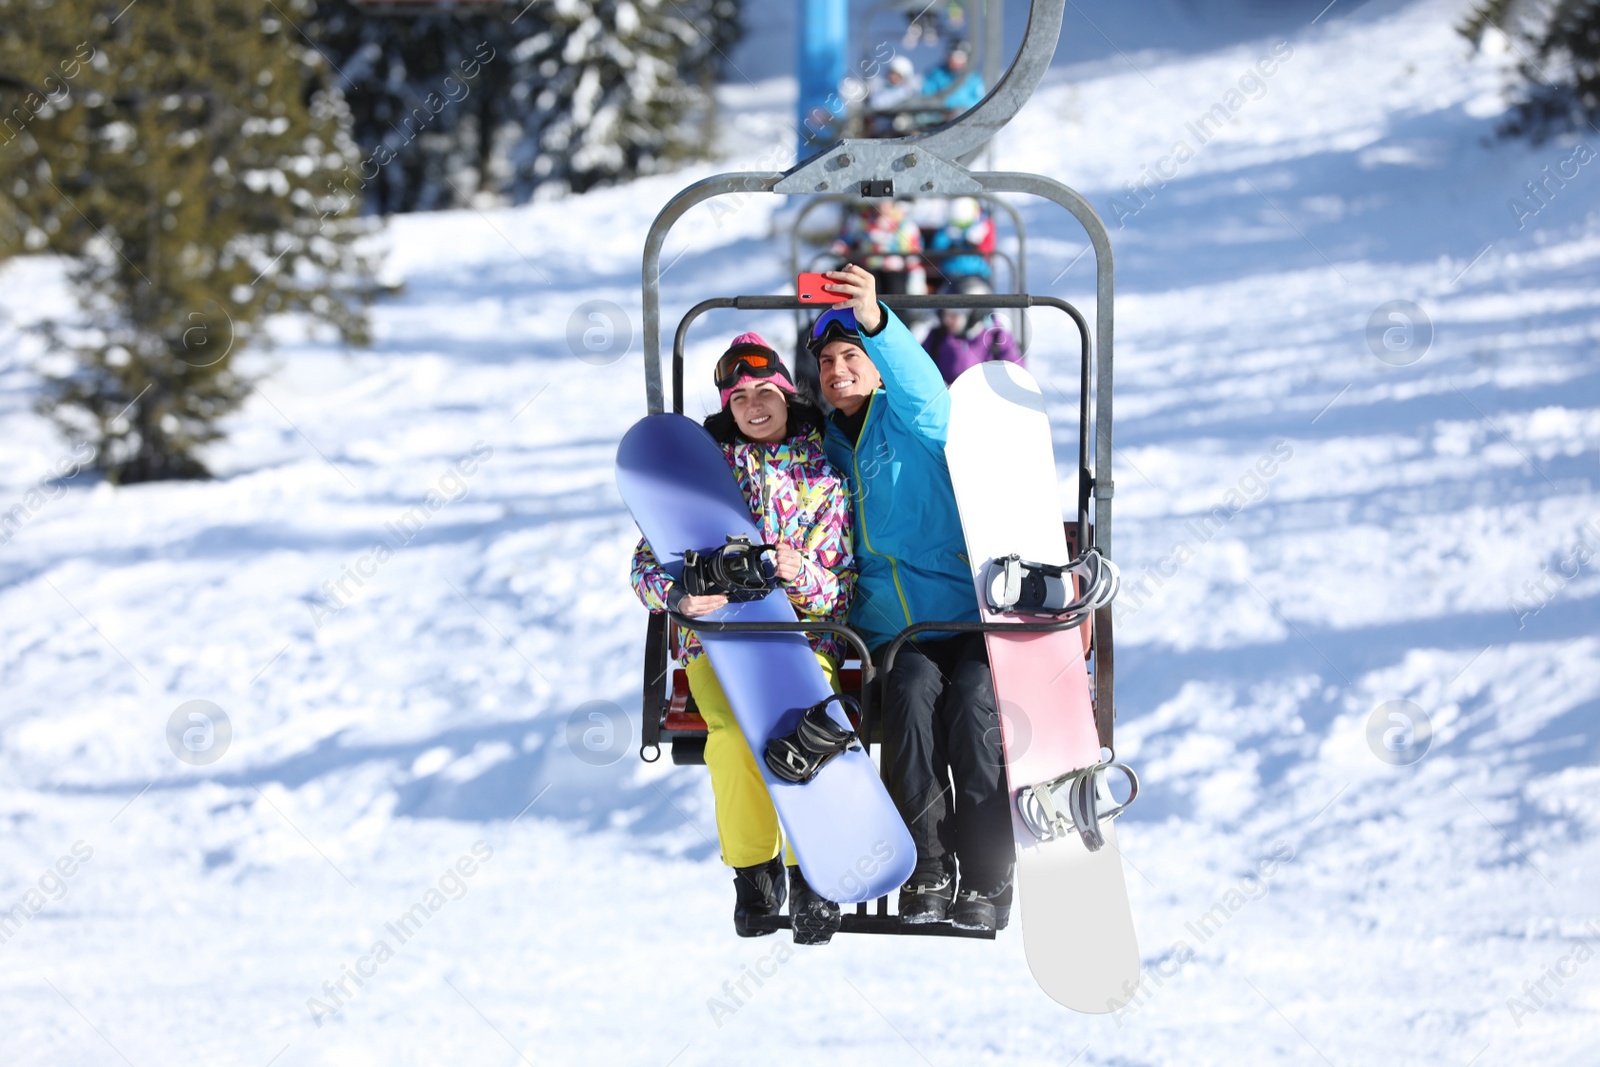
(1077, 928)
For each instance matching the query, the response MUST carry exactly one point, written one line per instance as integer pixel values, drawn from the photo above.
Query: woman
(773, 441)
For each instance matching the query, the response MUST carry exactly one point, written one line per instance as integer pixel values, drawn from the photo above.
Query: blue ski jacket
(908, 541)
(964, 89)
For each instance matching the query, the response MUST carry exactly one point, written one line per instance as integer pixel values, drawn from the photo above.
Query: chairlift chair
(927, 164)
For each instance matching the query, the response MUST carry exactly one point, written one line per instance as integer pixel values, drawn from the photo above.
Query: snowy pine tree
(182, 155)
(572, 93)
(1559, 45)
(426, 92)
(613, 88)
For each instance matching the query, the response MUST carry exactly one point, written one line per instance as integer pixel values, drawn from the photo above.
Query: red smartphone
(809, 286)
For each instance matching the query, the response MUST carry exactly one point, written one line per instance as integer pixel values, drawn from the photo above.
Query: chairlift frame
(929, 163)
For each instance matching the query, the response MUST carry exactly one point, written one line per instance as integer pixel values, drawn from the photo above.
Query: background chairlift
(813, 259)
(926, 164)
(885, 22)
(878, 32)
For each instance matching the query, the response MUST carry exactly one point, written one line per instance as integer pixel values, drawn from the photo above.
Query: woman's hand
(862, 289)
(787, 562)
(696, 606)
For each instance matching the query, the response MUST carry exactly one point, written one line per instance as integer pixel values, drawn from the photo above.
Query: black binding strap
(738, 570)
(817, 738)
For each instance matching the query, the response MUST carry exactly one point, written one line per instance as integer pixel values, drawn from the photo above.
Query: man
(954, 84)
(941, 729)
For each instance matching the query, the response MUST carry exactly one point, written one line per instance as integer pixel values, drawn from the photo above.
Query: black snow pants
(943, 760)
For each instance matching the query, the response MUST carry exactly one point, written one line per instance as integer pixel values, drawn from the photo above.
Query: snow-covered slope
(1416, 528)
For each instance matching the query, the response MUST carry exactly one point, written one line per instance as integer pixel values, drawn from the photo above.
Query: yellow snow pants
(747, 824)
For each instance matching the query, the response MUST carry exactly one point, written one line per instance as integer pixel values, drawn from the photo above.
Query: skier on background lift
(966, 338)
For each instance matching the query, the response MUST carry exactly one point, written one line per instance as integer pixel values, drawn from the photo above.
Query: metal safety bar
(864, 702)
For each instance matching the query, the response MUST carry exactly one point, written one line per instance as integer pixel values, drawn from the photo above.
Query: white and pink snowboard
(1077, 927)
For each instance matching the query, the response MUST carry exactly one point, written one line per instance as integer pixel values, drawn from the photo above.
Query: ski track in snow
(1388, 556)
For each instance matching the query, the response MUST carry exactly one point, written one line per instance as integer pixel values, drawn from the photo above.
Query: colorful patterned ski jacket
(869, 236)
(795, 499)
(909, 543)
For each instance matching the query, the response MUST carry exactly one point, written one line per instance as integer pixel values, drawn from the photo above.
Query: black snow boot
(926, 898)
(982, 910)
(814, 919)
(758, 891)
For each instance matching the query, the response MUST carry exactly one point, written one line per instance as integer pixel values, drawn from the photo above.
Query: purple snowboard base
(846, 834)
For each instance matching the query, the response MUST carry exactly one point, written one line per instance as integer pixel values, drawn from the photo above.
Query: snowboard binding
(1021, 587)
(739, 570)
(817, 738)
(1037, 804)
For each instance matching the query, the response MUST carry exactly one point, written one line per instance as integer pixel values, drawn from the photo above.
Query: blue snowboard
(843, 827)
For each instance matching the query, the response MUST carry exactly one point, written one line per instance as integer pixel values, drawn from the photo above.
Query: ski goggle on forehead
(836, 325)
(751, 360)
